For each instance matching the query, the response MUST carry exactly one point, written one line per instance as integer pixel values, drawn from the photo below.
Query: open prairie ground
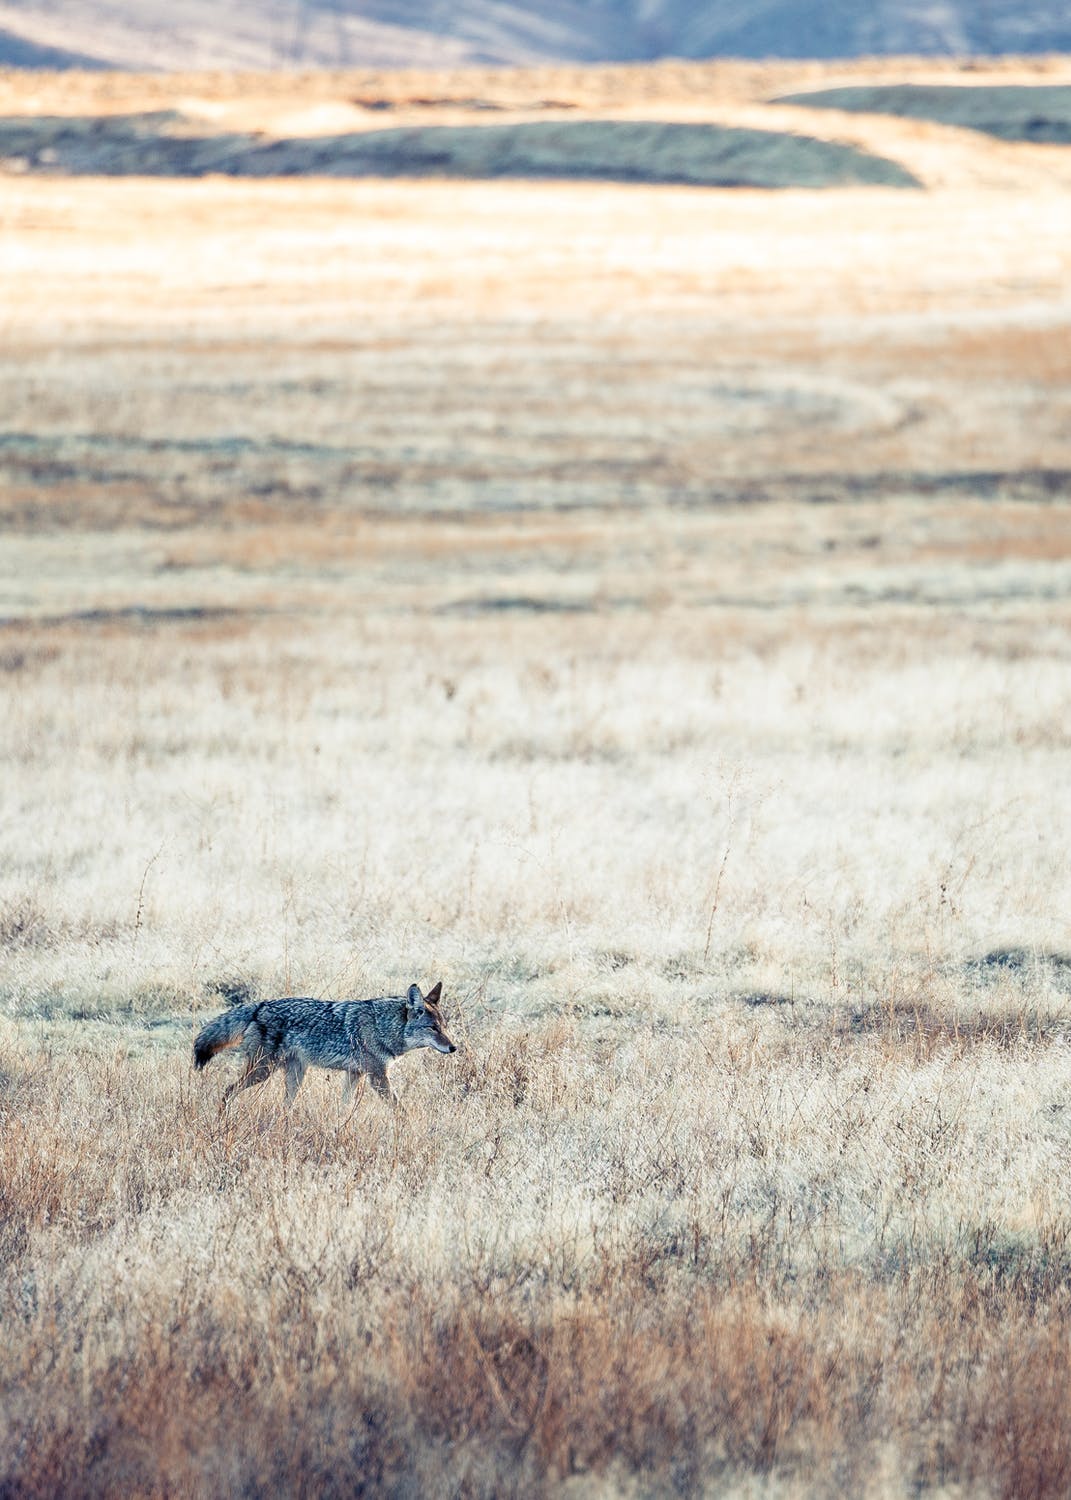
(646, 608)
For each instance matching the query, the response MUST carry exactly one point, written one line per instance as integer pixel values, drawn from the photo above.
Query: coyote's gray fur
(359, 1037)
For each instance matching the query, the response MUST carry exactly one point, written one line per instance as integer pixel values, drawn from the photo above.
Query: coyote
(358, 1037)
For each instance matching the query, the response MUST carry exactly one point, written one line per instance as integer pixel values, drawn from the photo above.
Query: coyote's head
(423, 1020)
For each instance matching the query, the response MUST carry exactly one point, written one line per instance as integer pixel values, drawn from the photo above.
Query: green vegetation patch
(1013, 112)
(602, 150)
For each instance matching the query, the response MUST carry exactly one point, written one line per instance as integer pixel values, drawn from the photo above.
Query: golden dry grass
(648, 610)
(733, 1256)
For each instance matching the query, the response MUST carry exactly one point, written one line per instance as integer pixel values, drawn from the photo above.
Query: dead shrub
(24, 923)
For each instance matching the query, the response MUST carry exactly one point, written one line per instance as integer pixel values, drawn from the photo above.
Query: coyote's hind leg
(258, 1070)
(352, 1088)
(295, 1073)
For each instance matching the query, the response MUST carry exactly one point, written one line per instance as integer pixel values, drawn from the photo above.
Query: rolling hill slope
(193, 34)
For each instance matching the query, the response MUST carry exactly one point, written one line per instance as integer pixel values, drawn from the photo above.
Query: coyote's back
(358, 1037)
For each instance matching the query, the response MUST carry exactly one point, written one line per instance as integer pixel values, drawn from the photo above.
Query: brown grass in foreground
(738, 1275)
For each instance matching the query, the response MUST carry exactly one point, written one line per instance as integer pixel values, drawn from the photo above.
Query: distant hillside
(198, 34)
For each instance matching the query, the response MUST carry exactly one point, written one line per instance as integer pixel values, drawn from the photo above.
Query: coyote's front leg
(381, 1083)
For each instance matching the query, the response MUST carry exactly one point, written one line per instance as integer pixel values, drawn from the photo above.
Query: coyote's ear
(435, 993)
(415, 999)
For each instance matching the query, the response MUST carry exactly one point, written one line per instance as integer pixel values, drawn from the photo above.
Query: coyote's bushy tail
(225, 1031)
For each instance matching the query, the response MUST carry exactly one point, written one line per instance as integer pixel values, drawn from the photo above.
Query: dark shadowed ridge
(17, 52)
(161, 145)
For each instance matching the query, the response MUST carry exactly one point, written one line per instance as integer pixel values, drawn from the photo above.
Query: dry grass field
(646, 608)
